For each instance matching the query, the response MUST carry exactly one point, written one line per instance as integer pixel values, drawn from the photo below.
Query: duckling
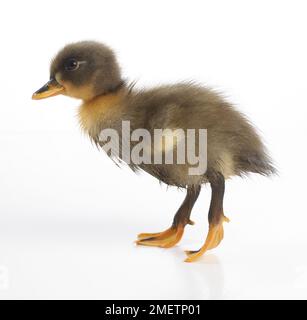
(89, 71)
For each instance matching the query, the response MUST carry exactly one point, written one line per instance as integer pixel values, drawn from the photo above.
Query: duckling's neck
(99, 109)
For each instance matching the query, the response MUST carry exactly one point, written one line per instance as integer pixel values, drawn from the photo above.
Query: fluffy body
(234, 147)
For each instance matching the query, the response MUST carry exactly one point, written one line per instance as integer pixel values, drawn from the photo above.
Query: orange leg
(216, 218)
(172, 235)
(214, 238)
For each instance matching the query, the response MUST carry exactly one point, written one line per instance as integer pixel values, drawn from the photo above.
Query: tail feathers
(261, 164)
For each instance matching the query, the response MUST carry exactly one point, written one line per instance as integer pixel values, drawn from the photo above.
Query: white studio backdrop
(68, 216)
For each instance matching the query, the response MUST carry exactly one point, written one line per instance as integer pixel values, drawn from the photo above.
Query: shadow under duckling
(89, 71)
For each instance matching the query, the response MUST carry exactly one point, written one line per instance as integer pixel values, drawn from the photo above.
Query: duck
(89, 71)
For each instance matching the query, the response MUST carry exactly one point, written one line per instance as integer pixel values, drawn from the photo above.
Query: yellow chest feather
(102, 107)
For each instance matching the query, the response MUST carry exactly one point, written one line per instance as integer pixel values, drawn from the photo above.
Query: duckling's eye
(72, 64)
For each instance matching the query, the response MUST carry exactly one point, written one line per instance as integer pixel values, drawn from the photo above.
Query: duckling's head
(82, 70)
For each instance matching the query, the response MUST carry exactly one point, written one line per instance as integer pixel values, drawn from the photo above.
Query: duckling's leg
(172, 235)
(216, 218)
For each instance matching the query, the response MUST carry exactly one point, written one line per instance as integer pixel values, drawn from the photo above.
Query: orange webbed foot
(165, 239)
(214, 238)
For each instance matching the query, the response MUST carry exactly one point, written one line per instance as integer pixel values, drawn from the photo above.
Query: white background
(68, 216)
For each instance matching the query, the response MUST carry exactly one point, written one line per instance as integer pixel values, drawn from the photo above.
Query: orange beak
(50, 89)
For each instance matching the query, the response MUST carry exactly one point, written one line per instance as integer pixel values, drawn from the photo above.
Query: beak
(50, 89)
